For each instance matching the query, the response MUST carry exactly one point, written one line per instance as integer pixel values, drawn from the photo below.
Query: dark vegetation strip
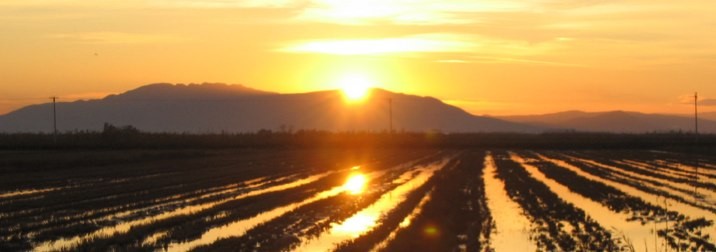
(286, 231)
(70, 218)
(149, 192)
(53, 227)
(454, 219)
(233, 170)
(78, 206)
(81, 226)
(688, 157)
(192, 230)
(670, 169)
(185, 227)
(680, 236)
(548, 211)
(239, 209)
(82, 178)
(56, 168)
(128, 139)
(606, 158)
(630, 180)
(706, 165)
(674, 158)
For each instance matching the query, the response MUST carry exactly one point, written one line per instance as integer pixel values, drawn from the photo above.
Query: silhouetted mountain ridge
(615, 121)
(204, 108)
(207, 91)
(708, 115)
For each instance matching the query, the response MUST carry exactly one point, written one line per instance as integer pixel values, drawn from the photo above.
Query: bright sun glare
(355, 87)
(355, 183)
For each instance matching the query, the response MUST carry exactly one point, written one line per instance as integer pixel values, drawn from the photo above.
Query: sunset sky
(489, 57)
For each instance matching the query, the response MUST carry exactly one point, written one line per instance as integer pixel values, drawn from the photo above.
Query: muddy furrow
(314, 217)
(631, 217)
(641, 182)
(511, 228)
(216, 212)
(556, 224)
(631, 190)
(456, 218)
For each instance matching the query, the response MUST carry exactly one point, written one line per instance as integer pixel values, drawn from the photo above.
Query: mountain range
(212, 107)
(708, 116)
(615, 121)
(215, 107)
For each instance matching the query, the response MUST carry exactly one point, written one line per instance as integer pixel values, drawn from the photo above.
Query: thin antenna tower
(696, 131)
(54, 118)
(696, 114)
(390, 114)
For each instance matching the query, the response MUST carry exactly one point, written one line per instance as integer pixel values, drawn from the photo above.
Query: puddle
(240, 227)
(688, 210)
(624, 174)
(125, 226)
(639, 235)
(512, 227)
(405, 223)
(366, 219)
(28, 192)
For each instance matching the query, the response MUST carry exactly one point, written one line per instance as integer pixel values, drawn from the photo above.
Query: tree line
(113, 137)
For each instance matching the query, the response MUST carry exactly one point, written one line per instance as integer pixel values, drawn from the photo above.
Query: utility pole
(696, 131)
(696, 115)
(390, 115)
(54, 118)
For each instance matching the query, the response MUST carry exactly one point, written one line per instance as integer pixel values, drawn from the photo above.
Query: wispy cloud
(423, 43)
(227, 3)
(453, 61)
(413, 12)
(708, 102)
(117, 38)
(511, 60)
(688, 99)
(465, 44)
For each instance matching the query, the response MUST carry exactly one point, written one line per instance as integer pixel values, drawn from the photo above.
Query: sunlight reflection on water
(368, 218)
(355, 184)
(186, 210)
(512, 228)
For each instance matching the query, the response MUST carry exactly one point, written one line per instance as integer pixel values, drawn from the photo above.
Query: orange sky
(489, 57)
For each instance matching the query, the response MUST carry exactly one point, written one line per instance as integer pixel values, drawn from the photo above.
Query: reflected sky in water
(369, 217)
(355, 184)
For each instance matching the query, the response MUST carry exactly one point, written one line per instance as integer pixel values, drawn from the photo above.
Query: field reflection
(370, 217)
(355, 184)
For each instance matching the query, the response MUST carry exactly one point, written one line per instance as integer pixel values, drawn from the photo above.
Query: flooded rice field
(359, 200)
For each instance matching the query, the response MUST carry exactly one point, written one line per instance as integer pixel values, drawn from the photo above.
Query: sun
(355, 87)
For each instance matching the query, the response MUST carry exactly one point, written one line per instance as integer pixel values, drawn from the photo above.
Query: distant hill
(204, 108)
(614, 121)
(708, 115)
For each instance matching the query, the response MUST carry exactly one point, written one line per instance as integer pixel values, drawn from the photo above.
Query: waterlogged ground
(358, 200)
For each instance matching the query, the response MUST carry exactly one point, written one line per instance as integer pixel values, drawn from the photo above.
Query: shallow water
(240, 227)
(405, 223)
(621, 173)
(28, 192)
(366, 219)
(639, 235)
(687, 210)
(125, 226)
(512, 228)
